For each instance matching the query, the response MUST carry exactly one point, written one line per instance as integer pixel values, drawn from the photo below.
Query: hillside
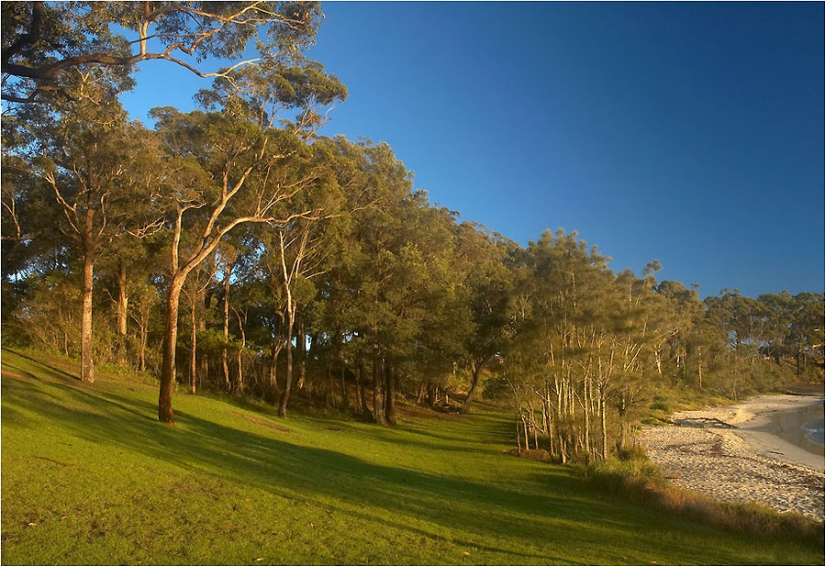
(90, 476)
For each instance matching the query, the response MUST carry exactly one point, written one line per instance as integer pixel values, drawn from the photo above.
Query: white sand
(744, 463)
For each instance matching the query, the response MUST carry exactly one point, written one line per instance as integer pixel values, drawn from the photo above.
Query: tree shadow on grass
(47, 371)
(277, 463)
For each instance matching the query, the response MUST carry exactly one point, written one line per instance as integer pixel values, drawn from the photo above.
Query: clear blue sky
(691, 133)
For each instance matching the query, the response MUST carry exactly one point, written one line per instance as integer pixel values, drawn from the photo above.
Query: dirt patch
(263, 422)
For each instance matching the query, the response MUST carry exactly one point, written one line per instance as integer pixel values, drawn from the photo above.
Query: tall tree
(99, 168)
(482, 256)
(230, 173)
(46, 43)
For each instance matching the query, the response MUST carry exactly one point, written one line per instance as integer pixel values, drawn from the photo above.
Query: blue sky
(691, 133)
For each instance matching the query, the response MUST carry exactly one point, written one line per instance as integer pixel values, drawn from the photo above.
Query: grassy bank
(89, 476)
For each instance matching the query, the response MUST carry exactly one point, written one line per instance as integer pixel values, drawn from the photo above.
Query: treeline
(233, 249)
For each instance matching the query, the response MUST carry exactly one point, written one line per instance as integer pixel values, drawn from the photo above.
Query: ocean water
(804, 427)
(815, 431)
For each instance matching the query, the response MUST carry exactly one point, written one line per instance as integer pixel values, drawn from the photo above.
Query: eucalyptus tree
(563, 349)
(794, 327)
(683, 311)
(779, 312)
(807, 331)
(438, 299)
(389, 282)
(228, 173)
(99, 170)
(481, 255)
(237, 168)
(303, 250)
(46, 45)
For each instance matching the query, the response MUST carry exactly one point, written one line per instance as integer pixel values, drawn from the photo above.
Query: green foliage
(43, 43)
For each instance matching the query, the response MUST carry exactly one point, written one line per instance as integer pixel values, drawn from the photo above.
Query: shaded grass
(90, 476)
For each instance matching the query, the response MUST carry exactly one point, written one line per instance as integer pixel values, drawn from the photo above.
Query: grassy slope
(90, 476)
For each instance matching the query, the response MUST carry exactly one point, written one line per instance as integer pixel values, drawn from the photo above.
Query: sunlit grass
(90, 476)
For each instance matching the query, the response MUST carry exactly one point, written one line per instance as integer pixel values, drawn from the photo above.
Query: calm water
(804, 427)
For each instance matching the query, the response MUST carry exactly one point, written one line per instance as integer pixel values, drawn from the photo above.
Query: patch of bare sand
(728, 453)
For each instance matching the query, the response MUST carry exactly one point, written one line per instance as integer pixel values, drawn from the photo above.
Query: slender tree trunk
(277, 345)
(588, 394)
(343, 380)
(362, 391)
(422, 393)
(122, 300)
(170, 338)
(241, 327)
(526, 432)
(87, 370)
(193, 362)
(144, 339)
(302, 355)
(603, 411)
(224, 352)
(240, 371)
(389, 405)
(288, 384)
(377, 387)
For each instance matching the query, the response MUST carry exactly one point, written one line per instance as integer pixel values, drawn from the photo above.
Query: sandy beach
(743, 453)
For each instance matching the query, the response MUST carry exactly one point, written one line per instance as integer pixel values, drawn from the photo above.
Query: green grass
(90, 476)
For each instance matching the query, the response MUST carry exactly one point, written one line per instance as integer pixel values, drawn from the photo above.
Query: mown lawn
(90, 476)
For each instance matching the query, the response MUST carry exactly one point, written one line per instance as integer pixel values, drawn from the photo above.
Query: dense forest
(235, 249)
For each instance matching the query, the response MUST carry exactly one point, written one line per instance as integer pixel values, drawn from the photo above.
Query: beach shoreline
(734, 453)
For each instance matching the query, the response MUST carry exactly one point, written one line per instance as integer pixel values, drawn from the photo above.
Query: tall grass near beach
(638, 478)
(89, 476)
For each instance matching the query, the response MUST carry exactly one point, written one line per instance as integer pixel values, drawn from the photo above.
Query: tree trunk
(377, 388)
(361, 390)
(144, 339)
(277, 345)
(302, 355)
(389, 405)
(122, 300)
(87, 370)
(288, 384)
(193, 362)
(603, 411)
(588, 395)
(240, 371)
(422, 393)
(465, 408)
(526, 432)
(241, 327)
(170, 338)
(224, 353)
(343, 381)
